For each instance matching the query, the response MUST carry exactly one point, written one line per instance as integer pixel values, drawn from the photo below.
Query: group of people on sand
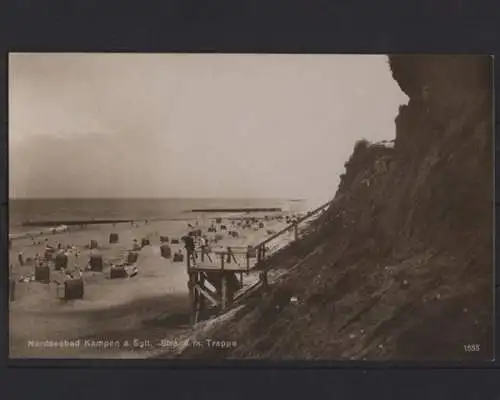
(50, 252)
(195, 239)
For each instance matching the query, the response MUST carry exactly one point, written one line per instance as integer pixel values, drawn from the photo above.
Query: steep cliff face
(400, 267)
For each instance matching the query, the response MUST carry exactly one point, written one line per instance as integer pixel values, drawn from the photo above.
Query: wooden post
(241, 279)
(223, 291)
(296, 231)
(223, 288)
(192, 298)
(248, 261)
(263, 278)
(196, 305)
(202, 298)
(12, 284)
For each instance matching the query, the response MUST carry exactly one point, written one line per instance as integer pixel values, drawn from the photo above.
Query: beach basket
(132, 257)
(113, 238)
(42, 274)
(96, 263)
(60, 261)
(49, 254)
(223, 227)
(93, 244)
(166, 251)
(163, 239)
(218, 220)
(261, 225)
(175, 241)
(178, 257)
(73, 289)
(145, 242)
(117, 271)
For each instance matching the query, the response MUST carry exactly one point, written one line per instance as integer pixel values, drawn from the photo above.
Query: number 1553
(468, 348)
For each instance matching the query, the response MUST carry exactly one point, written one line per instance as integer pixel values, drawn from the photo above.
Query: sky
(192, 125)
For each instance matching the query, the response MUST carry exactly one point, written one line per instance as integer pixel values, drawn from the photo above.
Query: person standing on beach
(190, 249)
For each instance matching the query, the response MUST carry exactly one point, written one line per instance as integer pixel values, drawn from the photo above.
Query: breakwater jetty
(230, 210)
(76, 222)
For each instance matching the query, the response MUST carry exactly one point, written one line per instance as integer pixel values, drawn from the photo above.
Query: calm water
(22, 210)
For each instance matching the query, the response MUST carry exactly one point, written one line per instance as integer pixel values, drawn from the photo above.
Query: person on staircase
(190, 248)
(203, 247)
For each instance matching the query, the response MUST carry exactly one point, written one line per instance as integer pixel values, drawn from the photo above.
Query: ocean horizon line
(158, 198)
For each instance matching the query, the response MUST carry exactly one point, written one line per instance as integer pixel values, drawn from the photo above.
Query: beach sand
(142, 310)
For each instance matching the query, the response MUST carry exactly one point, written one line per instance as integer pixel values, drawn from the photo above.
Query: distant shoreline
(53, 225)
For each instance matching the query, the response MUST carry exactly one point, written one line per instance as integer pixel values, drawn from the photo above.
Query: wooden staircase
(224, 279)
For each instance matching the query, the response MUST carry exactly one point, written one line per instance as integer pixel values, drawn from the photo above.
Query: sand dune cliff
(400, 266)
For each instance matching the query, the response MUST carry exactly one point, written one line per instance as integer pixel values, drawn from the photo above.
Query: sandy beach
(142, 310)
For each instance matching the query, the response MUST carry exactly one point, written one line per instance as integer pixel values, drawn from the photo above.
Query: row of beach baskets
(73, 288)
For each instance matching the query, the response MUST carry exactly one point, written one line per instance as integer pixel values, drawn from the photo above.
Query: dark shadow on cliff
(400, 267)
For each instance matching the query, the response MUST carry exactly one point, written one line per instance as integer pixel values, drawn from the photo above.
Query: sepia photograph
(272, 207)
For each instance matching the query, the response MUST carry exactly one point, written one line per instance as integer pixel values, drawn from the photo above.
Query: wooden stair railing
(259, 248)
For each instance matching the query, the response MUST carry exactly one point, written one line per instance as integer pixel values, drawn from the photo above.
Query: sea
(24, 210)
